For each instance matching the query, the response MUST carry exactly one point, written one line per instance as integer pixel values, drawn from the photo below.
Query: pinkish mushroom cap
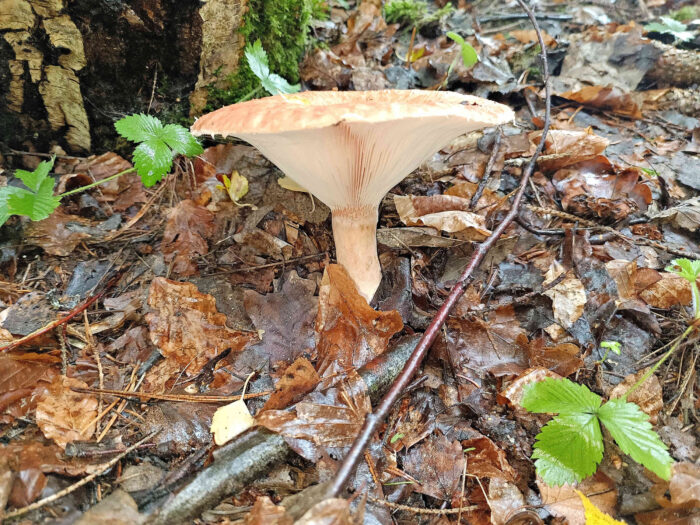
(350, 148)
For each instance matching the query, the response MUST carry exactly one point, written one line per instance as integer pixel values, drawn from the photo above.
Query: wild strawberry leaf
(36, 201)
(630, 428)
(560, 396)
(568, 449)
(158, 144)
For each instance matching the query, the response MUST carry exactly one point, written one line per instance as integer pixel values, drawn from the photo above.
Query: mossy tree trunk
(69, 69)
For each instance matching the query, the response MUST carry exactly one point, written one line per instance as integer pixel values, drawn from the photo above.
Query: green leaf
(37, 202)
(138, 128)
(559, 396)
(630, 428)
(153, 160)
(469, 55)
(257, 60)
(672, 27)
(180, 140)
(153, 157)
(568, 449)
(686, 268)
(275, 84)
(611, 345)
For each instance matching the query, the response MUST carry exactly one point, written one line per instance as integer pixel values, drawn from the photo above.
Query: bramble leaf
(630, 428)
(37, 202)
(568, 449)
(559, 396)
(259, 65)
(153, 157)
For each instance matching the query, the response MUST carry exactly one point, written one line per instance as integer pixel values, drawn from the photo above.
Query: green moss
(686, 13)
(282, 27)
(413, 12)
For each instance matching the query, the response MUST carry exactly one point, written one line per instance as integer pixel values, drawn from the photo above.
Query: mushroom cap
(350, 148)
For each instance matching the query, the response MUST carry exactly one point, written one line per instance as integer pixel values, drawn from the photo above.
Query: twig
(487, 171)
(58, 322)
(372, 421)
(172, 397)
(100, 470)
(421, 510)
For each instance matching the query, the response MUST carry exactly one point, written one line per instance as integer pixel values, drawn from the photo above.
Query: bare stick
(372, 421)
(487, 171)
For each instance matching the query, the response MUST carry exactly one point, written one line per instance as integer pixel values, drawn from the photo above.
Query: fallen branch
(372, 421)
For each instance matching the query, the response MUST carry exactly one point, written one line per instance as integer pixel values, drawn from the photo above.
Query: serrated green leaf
(469, 54)
(670, 26)
(630, 428)
(275, 85)
(559, 396)
(152, 159)
(686, 268)
(180, 140)
(37, 202)
(34, 179)
(568, 449)
(5, 193)
(257, 59)
(138, 128)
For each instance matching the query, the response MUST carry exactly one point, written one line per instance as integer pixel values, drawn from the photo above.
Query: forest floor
(171, 297)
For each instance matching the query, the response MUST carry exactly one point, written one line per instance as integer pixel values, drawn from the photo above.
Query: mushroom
(350, 148)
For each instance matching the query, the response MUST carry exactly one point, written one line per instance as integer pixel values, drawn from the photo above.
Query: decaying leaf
(264, 512)
(60, 234)
(487, 460)
(564, 148)
(331, 418)
(686, 215)
(64, 415)
(562, 359)
(684, 486)
(350, 332)
(568, 297)
(298, 379)
(186, 326)
(18, 381)
(188, 227)
(443, 212)
(514, 392)
(647, 396)
(438, 463)
(505, 499)
(669, 291)
(565, 502)
(333, 511)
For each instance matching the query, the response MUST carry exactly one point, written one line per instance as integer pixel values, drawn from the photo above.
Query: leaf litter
(613, 202)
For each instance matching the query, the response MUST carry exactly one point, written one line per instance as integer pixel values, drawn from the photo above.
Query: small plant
(609, 345)
(570, 447)
(153, 159)
(690, 271)
(469, 55)
(259, 65)
(669, 26)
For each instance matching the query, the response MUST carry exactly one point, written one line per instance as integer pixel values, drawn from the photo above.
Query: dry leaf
(264, 512)
(514, 392)
(565, 502)
(185, 325)
(59, 234)
(298, 379)
(188, 227)
(350, 332)
(487, 460)
(230, 420)
(648, 396)
(570, 147)
(562, 359)
(443, 212)
(685, 484)
(568, 297)
(505, 499)
(669, 291)
(18, 381)
(333, 511)
(64, 415)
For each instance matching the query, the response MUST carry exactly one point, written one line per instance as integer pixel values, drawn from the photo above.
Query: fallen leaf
(594, 516)
(58, 235)
(648, 396)
(188, 227)
(451, 217)
(505, 499)
(487, 460)
(686, 215)
(64, 415)
(350, 332)
(18, 381)
(669, 291)
(562, 359)
(332, 511)
(568, 147)
(564, 501)
(608, 97)
(285, 318)
(264, 512)
(684, 486)
(186, 326)
(568, 297)
(298, 379)
(514, 392)
(438, 464)
(229, 421)
(331, 418)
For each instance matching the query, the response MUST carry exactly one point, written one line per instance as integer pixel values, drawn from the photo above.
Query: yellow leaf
(594, 516)
(229, 421)
(291, 185)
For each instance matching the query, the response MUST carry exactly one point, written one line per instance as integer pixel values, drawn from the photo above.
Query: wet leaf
(568, 147)
(334, 511)
(438, 464)
(264, 512)
(565, 502)
(298, 379)
(568, 297)
(443, 212)
(64, 415)
(186, 326)
(487, 460)
(648, 396)
(670, 291)
(188, 227)
(350, 332)
(18, 379)
(60, 234)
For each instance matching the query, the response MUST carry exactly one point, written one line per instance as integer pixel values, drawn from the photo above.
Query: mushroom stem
(355, 234)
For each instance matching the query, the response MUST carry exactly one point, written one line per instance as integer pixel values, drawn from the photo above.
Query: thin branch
(373, 421)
